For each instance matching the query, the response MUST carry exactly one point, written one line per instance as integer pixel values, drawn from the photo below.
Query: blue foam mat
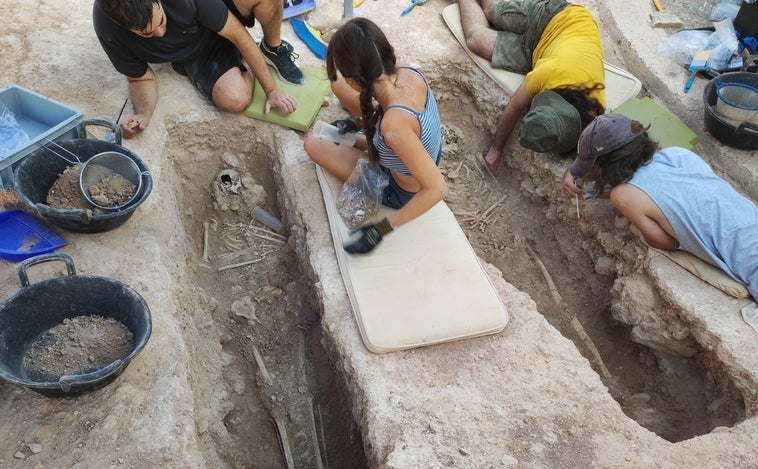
(303, 31)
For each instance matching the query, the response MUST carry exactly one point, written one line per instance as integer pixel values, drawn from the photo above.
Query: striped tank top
(431, 133)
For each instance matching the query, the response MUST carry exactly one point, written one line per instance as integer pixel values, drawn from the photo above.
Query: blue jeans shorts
(395, 196)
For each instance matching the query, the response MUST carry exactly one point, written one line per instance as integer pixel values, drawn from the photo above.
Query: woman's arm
(401, 133)
(640, 209)
(348, 97)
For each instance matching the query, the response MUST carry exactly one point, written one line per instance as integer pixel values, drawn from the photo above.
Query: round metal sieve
(103, 165)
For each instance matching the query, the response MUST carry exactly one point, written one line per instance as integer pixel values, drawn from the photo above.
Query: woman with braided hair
(401, 127)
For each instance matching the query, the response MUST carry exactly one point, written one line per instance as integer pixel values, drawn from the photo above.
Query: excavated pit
(296, 414)
(265, 304)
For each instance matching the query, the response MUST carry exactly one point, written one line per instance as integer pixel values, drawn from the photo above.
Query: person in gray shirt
(671, 195)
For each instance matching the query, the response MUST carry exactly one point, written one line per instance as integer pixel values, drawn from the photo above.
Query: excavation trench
(267, 310)
(578, 260)
(267, 382)
(286, 408)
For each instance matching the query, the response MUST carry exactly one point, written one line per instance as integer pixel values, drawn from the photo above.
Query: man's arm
(513, 111)
(144, 93)
(238, 35)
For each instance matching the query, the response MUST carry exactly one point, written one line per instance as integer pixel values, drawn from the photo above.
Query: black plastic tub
(743, 135)
(35, 175)
(36, 308)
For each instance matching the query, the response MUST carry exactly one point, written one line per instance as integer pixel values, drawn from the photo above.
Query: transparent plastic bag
(361, 194)
(681, 46)
(725, 9)
(12, 135)
(723, 44)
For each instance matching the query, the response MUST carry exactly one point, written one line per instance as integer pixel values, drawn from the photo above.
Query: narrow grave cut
(286, 407)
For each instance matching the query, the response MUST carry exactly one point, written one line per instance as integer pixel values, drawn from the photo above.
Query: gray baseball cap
(605, 133)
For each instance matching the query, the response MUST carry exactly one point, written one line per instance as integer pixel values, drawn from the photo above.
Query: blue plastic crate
(41, 118)
(22, 236)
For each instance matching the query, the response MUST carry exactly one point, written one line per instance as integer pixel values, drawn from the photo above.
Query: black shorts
(246, 22)
(220, 56)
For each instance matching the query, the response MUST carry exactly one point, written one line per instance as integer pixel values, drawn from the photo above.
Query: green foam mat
(665, 128)
(310, 96)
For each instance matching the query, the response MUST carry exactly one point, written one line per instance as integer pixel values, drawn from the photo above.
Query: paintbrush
(698, 63)
(661, 18)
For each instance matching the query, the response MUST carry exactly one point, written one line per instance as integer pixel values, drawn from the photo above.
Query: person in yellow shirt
(557, 46)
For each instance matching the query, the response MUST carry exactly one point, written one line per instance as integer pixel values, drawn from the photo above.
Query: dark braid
(371, 115)
(350, 53)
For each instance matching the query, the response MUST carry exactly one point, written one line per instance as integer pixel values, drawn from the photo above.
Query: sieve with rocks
(100, 168)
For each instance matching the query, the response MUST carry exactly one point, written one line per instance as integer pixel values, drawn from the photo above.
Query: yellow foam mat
(706, 272)
(422, 285)
(620, 85)
(310, 96)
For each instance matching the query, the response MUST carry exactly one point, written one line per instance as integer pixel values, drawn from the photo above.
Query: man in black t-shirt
(205, 40)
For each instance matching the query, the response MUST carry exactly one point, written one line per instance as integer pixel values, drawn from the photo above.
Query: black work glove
(351, 124)
(370, 236)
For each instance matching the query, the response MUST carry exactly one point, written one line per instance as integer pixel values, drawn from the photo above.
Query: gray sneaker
(283, 60)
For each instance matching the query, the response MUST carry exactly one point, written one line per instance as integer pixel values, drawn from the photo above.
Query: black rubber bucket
(36, 308)
(743, 135)
(35, 175)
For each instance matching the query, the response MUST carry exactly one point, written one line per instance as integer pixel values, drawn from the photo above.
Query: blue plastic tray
(22, 236)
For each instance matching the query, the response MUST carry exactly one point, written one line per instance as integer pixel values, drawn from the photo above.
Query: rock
(245, 308)
(657, 340)
(230, 159)
(509, 461)
(605, 265)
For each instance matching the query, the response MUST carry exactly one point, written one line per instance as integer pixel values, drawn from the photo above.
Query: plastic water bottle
(329, 132)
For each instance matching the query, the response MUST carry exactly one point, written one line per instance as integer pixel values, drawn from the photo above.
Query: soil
(282, 404)
(110, 190)
(78, 345)
(266, 319)
(504, 218)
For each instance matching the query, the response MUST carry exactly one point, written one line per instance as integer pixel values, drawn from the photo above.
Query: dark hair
(129, 14)
(581, 98)
(359, 50)
(619, 165)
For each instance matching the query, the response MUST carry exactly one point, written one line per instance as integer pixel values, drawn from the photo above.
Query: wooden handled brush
(662, 18)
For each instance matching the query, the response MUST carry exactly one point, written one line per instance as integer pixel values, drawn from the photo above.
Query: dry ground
(251, 312)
